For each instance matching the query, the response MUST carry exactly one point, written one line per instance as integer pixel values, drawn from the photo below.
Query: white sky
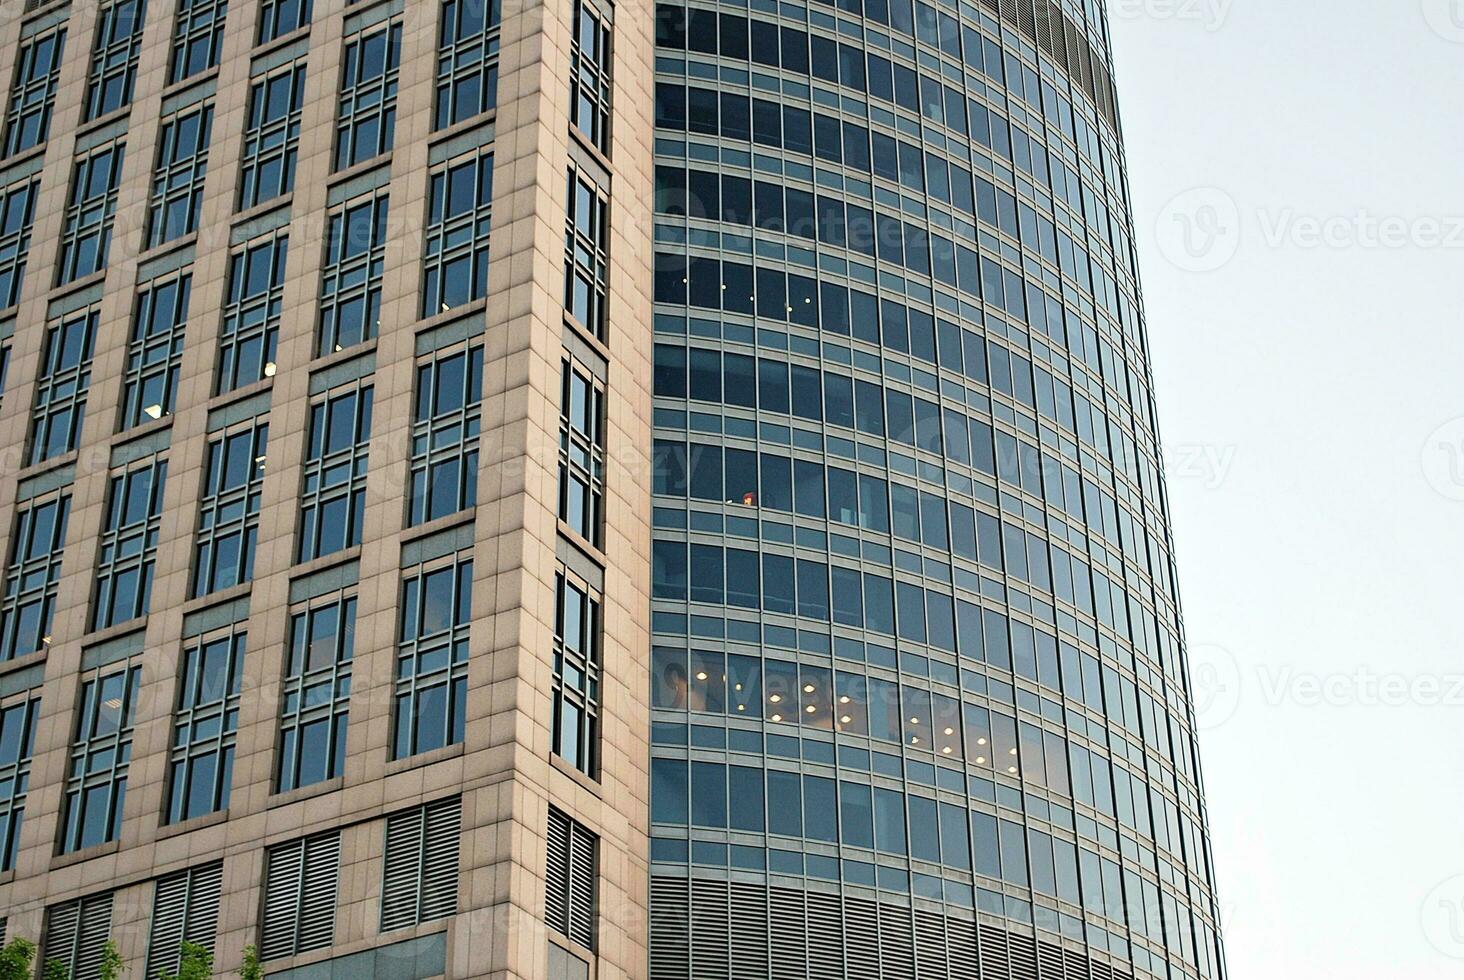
(1302, 383)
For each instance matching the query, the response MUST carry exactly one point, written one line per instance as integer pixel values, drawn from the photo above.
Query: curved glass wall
(919, 691)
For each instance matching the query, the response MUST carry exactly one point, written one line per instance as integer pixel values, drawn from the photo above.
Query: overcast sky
(1298, 179)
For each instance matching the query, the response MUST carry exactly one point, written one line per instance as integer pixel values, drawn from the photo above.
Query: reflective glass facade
(919, 702)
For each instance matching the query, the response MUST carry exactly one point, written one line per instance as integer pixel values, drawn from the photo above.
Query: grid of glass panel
(576, 725)
(18, 717)
(96, 774)
(333, 497)
(582, 453)
(228, 521)
(459, 218)
(271, 136)
(586, 264)
(350, 281)
(589, 87)
(33, 92)
(115, 50)
(177, 188)
(198, 37)
(432, 657)
(155, 350)
(467, 60)
(317, 692)
(250, 326)
(911, 569)
(128, 550)
(202, 753)
(31, 576)
(61, 385)
(280, 17)
(445, 425)
(86, 230)
(366, 117)
(17, 212)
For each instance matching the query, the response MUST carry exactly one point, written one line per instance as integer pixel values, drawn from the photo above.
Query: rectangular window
(420, 877)
(459, 217)
(576, 734)
(198, 37)
(202, 753)
(177, 187)
(570, 879)
(129, 544)
(76, 935)
(86, 228)
(18, 717)
(317, 693)
(350, 281)
(432, 657)
(96, 775)
(271, 136)
(114, 57)
(61, 385)
(467, 60)
(17, 213)
(333, 494)
(589, 85)
(585, 260)
(300, 883)
(250, 325)
(31, 576)
(33, 93)
(581, 453)
(155, 350)
(366, 119)
(445, 425)
(185, 910)
(228, 520)
(280, 17)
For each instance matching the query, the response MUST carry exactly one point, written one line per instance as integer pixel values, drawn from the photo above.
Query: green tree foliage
(194, 963)
(251, 970)
(16, 959)
(111, 965)
(55, 970)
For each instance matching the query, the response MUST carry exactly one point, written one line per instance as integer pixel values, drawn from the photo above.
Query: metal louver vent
(961, 937)
(569, 879)
(897, 942)
(1101, 971)
(76, 934)
(862, 917)
(1024, 956)
(1009, 11)
(825, 937)
(710, 930)
(1049, 958)
(1077, 965)
(1025, 19)
(750, 925)
(420, 871)
(185, 908)
(790, 934)
(930, 949)
(993, 954)
(670, 915)
(300, 887)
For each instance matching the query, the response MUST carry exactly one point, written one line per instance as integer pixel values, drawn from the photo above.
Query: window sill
(583, 544)
(424, 759)
(301, 793)
(219, 598)
(6, 877)
(471, 307)
(166, 831)
(262, 209)
(142, 430)
(85, 854)
(184, 84)
(331, 359)
(488, 118)
(283, 41)
(76, 286)
(24, 156)
(239, 394)
(344, 556)
(596, 154)
(173, 245)
(116, 630)
(380, 161)
(103, 121)
(17, 664)
(438, 525)
(585, 782)
(585, 334)
(34, 470)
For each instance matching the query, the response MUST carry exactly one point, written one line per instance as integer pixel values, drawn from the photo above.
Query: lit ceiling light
(946, 750)
(845, 720)
(914, 721)
(914, 739)
(1011, 751)
(153, 411)
(811, 709)
(981, 741)
(1011, 769)
(981, 760)
(269, 369)
(775, 698)
(742, 707)
(808, 689)
(737, 687)
(777, 718)
(844, 699)
(701, 675)
(950, 731)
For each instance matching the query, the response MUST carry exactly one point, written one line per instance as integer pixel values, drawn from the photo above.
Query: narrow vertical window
(86, 225)
(432, 657)
(32, 576)
(333, 498)
(317, 693)
(589, 86)
(115, 52)
(280, 17)
(17, 213)
(129, 544)
(202, 755)
(249, 326)
(271, 136)
(467, 60)
(459, 218)
(576, 695)
(229, 509)
(581, 453)
(33, 93)
(198, 37)
(155, 350)
(445, 425)
(177, 188)
(61, 385)
(18, 717)
(96, 774)
(585, 260)
(366, 117)
(350, 281)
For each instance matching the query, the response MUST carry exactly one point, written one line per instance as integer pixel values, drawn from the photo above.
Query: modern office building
(580, 490)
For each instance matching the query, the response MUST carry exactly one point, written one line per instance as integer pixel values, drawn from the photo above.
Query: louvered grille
(750, 926)
(710, 932)
(569, 879)
(582, 887)
(1023, 950)
(825, 937)
(993, 945)
(300, 896)
(670, 913)
(1049, 958)
(1100, 971)
(930, 950)
(420, 871)
(790, 935)
(1077, 965)
(185, 908)
(961, 937)
(1025, 20)
(897, 942)
(77, 933)
(862, 919)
